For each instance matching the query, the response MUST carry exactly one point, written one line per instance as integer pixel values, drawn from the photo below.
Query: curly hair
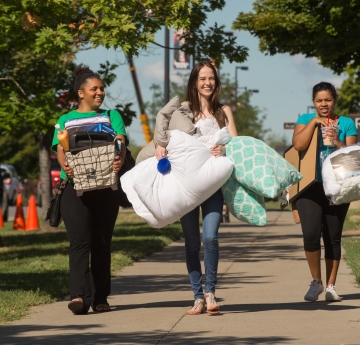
(82, 74)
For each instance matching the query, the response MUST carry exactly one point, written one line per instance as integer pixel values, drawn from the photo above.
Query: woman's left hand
(117, 164)
(218, 150)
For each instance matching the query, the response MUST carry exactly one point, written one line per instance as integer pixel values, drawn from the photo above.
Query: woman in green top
(89, 219)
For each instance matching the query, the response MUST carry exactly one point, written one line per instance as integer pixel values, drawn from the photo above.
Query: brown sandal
(102, 308)
(211, 306)
(198, 308)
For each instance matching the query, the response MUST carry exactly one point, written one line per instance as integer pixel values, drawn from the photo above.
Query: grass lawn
(34, 265)
(352, 220)
(352, 255)
(352, 245)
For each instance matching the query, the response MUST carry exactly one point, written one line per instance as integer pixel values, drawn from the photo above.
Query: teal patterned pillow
(243, 203)
(259, 167)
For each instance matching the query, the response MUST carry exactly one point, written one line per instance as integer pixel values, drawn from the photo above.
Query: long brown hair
(192, 96)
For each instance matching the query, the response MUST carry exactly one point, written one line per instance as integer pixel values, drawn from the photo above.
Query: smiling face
(206, 84)
(324, 103)
(92, 94)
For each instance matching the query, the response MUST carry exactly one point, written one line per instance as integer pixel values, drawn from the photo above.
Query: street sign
(289, 125)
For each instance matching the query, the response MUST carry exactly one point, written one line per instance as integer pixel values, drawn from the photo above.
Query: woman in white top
(203, 91)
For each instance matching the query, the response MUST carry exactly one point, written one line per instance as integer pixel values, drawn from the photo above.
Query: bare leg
(332, 267)
(313, 259)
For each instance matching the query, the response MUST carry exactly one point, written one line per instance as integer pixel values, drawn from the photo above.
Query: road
(12, 210)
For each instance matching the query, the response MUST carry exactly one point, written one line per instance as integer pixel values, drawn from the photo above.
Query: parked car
(55, 177)
(12, 182)
(4, 204)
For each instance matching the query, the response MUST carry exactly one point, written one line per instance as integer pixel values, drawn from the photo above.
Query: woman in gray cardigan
(202, 103)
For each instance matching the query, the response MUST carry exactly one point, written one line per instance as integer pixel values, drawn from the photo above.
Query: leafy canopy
(56, 27)
(349, 94)
(328, 30)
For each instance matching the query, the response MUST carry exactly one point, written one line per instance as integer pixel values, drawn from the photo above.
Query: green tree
(21, 149)
(62, 27)
(249, 119)
(328, 30)
(29, 101)
(278, 142)
(349, 93)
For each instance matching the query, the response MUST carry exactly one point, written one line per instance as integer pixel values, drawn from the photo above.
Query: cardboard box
(306, 163)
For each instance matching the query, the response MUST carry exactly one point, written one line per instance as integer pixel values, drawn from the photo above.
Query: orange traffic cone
(19, 221)
(1, 219)
(32, 221)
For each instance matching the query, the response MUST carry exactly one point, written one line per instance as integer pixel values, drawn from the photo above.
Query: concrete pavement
(262, 280)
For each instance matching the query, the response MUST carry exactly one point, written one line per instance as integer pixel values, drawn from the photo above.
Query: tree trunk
(45, 165)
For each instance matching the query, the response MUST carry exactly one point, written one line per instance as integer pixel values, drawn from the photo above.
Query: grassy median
(34, 265)
(352, 245)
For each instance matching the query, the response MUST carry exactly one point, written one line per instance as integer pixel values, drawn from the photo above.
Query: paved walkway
(263, 277)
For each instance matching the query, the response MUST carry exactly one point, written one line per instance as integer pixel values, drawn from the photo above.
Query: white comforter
(195, 175)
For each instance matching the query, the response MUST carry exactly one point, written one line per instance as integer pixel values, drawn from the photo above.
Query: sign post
(289, 125)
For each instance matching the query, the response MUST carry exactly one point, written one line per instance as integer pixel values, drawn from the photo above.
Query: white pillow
(195, 175)
(341, 175)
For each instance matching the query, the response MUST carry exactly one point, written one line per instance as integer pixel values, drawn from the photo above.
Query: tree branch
(157, 44)
(16, 83)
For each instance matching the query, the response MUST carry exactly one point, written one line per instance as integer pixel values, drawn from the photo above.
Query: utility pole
(167, 66)
(143, 116)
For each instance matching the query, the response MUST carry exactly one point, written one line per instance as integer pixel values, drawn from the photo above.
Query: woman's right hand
(68, 171)
(160, 152)
(323, 121)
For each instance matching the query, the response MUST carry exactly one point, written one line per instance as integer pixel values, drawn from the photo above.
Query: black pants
(89, 222)
(318, 217)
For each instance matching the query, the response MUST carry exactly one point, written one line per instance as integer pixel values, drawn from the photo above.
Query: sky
(284, 82)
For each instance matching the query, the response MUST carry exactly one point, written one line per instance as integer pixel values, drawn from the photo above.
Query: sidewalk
(263, 278)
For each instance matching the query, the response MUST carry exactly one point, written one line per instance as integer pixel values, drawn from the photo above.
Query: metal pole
(236, 84)
(143, 116)
(167, 67)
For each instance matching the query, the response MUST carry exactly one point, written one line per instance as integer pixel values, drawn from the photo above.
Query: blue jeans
(211, 213)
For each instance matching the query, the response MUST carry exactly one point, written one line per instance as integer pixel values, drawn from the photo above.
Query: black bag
(129, 163)
(53, 212)
(83, 139)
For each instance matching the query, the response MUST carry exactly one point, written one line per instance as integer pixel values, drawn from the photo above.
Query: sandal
(102, 308)
(77, 306)
(198, 308)
(211, 306)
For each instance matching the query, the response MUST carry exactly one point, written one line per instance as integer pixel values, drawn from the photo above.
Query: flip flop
(102, 308)
(77, 307)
